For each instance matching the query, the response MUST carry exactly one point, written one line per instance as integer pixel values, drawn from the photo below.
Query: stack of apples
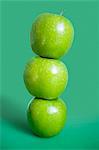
(45, 76)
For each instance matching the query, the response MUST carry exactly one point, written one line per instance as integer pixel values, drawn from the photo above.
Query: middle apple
(45, 78)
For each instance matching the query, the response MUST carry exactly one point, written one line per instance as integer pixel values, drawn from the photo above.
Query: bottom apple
(46, 117)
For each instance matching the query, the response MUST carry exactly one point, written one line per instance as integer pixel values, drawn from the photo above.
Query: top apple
(51, 35)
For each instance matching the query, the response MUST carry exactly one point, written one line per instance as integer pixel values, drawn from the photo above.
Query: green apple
(51, 35)
(46, 118)
(45, 78)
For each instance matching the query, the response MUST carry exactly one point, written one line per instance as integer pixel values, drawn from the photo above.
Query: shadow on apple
(14, 115)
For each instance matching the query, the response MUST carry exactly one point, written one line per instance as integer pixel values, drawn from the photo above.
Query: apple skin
(46, 118)
(51, 35)
(45, 78)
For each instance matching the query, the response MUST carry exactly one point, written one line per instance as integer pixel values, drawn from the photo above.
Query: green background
(82, 93)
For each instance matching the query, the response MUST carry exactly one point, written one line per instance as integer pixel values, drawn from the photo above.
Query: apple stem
(61, 12)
